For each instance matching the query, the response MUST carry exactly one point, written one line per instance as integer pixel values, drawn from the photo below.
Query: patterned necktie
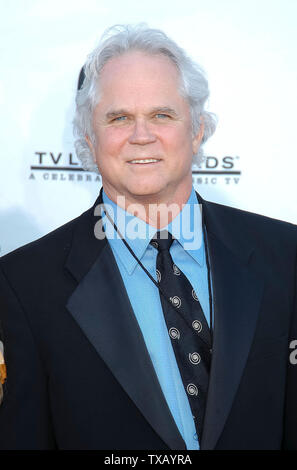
(187, 327)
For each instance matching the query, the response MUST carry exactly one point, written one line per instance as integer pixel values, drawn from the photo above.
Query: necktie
(187, 328)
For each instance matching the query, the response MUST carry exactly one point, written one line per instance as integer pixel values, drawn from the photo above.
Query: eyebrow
(157, 109)
(164, 109)
(115, 113)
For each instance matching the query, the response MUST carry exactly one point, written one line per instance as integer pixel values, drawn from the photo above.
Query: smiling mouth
(145, 161)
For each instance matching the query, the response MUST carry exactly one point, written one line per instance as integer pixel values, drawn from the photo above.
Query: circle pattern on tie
(158, 275)
(192, 389)
(194, 295)
(176, 270)
(197, 325)
(174, 333)
(194, 358)
(175, 301)
(155, 244)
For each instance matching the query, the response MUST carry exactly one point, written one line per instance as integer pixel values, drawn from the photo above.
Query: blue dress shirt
(188, 253)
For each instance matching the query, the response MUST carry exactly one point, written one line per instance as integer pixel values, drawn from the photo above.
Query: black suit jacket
(79, 373)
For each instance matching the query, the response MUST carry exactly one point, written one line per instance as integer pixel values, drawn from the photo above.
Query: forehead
(135, 58)
(138, 76)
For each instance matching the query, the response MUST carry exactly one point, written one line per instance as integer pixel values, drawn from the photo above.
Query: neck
(151, 209)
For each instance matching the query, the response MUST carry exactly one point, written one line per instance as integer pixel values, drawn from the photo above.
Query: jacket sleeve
(290, 435)
(24, 413)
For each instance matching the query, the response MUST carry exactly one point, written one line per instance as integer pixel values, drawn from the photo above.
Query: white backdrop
(247, 47)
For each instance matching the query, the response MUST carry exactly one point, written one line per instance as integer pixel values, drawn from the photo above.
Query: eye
(162, 115)
(120, 118)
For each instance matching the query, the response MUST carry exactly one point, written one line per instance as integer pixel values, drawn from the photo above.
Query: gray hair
(118, 40)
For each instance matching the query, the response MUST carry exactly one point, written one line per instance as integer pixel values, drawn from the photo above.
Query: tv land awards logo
(217, 170)
(53, 166)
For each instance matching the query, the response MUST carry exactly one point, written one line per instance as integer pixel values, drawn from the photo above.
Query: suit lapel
(101, 307)
(237, 293)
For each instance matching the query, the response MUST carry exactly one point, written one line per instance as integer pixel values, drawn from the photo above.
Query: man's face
(141, 116)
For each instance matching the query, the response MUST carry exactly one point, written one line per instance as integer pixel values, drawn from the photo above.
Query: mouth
(144, 161)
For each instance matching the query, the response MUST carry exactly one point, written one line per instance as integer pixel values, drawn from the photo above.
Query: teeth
(147, 160)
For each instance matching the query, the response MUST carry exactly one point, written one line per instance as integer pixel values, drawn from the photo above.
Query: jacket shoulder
(250, 219)
(54, 244)
(275, 238)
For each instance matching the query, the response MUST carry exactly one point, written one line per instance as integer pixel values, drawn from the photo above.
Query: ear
(196, 142)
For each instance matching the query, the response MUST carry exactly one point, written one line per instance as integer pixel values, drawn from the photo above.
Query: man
(169, 330)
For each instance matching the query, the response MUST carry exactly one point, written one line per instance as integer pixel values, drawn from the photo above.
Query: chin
(146, 190)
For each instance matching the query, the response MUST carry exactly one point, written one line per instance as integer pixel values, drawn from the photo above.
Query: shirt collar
(186, 227)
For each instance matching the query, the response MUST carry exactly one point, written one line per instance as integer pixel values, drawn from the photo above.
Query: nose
(141, 133)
